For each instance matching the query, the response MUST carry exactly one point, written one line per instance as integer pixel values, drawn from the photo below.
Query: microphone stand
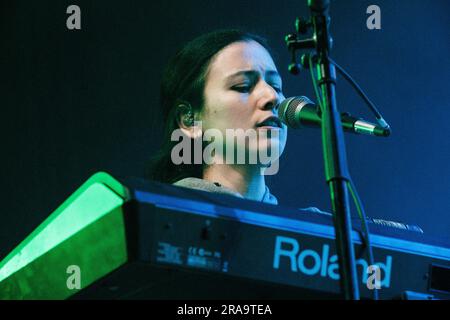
(336, 167)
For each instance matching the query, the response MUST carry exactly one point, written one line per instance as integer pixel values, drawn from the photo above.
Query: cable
(316, 90)
(365, 227)
(361, 93)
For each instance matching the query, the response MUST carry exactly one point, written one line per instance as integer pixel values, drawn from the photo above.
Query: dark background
(76, 102)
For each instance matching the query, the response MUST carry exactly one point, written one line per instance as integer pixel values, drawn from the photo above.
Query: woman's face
(242, 90)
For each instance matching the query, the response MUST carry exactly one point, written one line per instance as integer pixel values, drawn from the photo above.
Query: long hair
(184, 80)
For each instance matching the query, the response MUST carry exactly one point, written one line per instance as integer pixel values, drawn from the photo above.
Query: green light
(70, 235)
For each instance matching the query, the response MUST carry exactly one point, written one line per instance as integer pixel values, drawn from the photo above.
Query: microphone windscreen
(288, 109)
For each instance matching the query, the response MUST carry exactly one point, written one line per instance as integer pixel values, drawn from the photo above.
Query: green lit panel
(86, 231)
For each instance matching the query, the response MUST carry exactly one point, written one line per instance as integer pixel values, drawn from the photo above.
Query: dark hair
(184, 80)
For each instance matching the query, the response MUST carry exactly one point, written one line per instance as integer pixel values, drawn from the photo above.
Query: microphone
(297, 112)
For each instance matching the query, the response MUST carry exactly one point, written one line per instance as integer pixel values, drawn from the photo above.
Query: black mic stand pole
(336, 168)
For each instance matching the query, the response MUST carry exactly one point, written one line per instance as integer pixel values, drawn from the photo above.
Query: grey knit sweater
(205, 185)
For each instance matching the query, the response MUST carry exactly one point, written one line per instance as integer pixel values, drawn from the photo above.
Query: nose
(270, 98)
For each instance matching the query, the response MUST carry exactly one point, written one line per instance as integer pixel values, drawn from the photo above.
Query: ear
(187, 121)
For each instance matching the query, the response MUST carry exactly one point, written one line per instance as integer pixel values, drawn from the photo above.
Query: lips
(271, 121)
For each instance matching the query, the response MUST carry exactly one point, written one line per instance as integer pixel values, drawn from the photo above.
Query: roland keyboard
(135, 239)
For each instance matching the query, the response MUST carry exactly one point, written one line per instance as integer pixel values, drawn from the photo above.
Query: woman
(222, 82)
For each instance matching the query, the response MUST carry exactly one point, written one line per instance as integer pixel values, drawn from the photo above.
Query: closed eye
(242, 88)
(246, 88)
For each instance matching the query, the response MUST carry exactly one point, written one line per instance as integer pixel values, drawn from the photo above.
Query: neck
(247, 180)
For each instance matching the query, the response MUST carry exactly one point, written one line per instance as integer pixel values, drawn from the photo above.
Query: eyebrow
(253, 73)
